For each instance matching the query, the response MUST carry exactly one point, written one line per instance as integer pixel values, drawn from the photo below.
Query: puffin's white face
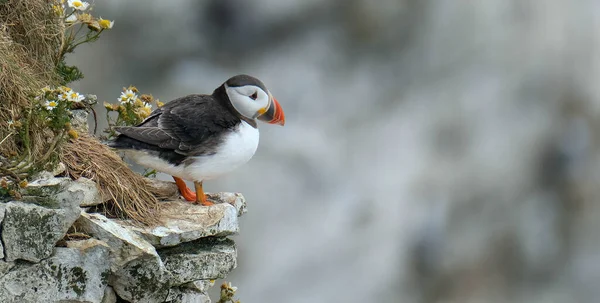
(249, 100)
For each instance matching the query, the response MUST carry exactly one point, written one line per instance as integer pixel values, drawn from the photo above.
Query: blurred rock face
(433, 151)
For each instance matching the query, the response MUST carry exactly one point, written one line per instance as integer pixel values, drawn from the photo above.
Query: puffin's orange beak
(273, 114)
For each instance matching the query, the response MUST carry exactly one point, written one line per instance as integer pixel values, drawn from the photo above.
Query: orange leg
(187, 193)
(200, 196)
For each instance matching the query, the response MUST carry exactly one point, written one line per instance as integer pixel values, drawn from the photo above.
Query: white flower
(62, 97)
(127, 96)
(78, 5)
(51, 104)
(106, 24)
(75, 97)
(233, 288)
(71, 19)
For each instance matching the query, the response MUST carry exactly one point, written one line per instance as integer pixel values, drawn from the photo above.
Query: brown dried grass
(30, 40)
(129, 192)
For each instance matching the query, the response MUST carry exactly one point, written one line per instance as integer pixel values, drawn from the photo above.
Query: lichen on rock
(184, 222)
(204, 259)
(107, 259)
(70, 274)
(30, 232)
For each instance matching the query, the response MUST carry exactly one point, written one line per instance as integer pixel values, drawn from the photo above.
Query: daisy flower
(233, 288)
(138, 103)
(75, 97)
(105, 24)
(145, 111)
(78, 5)
(51, 104)
(127, 96)
(71, 19)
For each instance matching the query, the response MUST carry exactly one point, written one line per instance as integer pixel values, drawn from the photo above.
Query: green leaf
(68, 73)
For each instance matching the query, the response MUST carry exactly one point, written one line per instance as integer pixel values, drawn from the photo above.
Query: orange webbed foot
(198, 197)
(187, 193)
(201, 196)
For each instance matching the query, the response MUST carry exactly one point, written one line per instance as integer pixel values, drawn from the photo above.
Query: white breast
(236, 149)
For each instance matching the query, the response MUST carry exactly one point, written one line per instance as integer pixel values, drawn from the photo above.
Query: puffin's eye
(254, 96)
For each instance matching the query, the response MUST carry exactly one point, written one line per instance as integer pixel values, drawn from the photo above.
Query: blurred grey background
(434, 151)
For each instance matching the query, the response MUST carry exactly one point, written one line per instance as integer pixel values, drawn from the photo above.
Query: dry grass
(129, 192)
(33, 24)
(30, 40)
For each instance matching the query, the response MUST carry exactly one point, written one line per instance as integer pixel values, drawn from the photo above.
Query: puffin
(202, 137)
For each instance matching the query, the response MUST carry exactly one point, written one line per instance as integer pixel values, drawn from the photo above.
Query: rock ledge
(111, 259)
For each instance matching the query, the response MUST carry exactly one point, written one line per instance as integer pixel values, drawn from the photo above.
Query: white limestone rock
(70, 274)
(204, 259)
(142, 280)
(59, 169)
(57, 192)
(125, 244)
(177, 274)
(236, 199)
(90, 190)
(137, 272)
(109, 295)
(5, 267)
(200, 285)
(184, 222)
(44, 189)
(30, 232)
(186, 295)
(85, 244)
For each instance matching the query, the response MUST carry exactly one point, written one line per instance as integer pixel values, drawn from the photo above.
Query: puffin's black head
(251, 98)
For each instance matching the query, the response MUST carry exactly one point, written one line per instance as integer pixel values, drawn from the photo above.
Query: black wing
(183, 126)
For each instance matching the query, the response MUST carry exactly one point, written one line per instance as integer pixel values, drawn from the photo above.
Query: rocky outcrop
(54, 250)
(30, 232)
(186, 295)
(204, 259)
(186, 222)
(52, 192)
(69, 274)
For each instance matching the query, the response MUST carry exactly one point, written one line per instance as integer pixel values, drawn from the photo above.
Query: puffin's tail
(123, 142)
